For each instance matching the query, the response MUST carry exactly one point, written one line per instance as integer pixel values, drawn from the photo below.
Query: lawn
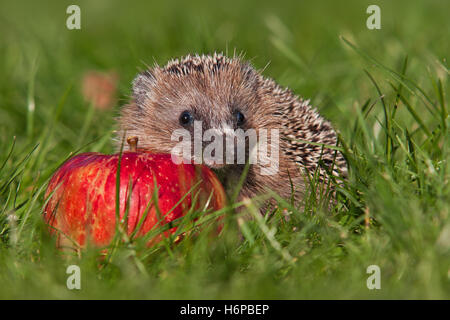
(385, 90)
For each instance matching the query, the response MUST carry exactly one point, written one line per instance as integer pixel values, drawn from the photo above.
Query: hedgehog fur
(212, 88)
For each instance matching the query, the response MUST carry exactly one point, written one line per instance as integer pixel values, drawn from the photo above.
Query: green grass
(386, 91)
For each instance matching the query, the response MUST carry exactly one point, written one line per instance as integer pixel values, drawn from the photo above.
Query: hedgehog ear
(142, 85)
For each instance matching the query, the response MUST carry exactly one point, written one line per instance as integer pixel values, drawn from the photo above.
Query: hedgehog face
(215, 95)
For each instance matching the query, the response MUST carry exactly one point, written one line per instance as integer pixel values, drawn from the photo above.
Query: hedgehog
(225, 94)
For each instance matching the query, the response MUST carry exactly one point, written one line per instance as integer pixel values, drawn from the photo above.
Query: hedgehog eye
(186, 118)
(239, 118)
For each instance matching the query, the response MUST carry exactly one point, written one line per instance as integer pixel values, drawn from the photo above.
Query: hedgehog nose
(219, 148)
(217, 166)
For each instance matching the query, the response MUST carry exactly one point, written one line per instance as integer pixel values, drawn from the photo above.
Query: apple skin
(83, 195)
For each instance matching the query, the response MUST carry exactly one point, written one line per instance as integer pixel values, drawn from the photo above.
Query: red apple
(83, 194)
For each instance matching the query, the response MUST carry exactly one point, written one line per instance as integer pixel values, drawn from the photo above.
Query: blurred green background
(298, 41)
